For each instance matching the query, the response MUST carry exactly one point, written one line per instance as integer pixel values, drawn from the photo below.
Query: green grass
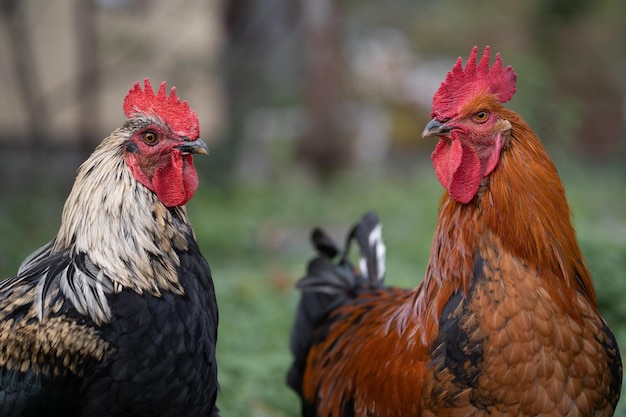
(256, 240)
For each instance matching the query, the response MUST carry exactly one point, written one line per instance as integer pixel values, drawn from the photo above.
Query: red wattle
(176, 182)
(458, 169)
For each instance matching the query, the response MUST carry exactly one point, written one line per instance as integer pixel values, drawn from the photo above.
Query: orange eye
(481, 116)
(150, 137)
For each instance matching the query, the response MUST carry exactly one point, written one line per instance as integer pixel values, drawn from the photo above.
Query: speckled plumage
(505, 321)
(117, 315)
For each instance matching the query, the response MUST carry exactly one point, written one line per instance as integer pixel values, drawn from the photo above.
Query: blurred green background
(313, 110)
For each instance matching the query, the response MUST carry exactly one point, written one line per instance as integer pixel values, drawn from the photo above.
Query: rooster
(505, 322)
(117, 316)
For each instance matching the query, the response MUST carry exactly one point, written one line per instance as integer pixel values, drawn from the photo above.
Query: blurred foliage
(570, 57)
(256, 206)
(256, 238)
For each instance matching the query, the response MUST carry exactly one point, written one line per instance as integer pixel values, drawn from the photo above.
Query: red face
(469, 146)
(466, 121)
(161, 160)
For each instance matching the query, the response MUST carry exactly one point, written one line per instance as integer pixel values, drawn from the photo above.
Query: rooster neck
(524, 205)
(120, 225)
(520, 208)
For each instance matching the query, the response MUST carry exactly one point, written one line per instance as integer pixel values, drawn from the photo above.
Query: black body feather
(163, 352)
(117, 315)
(154, 357)
(331, 280)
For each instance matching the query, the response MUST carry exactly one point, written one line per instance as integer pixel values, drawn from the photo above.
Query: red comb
(463, 83)
(178, 115)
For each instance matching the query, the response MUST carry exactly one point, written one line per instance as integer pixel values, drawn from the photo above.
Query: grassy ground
(256, 240)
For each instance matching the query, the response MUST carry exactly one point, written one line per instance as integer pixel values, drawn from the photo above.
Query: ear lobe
(131, 147)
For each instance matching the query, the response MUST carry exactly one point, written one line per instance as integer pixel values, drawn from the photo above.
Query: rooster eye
(481, 116)
(150, 137)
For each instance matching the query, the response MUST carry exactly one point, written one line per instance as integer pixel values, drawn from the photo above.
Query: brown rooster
(505, 322)
(117, 315)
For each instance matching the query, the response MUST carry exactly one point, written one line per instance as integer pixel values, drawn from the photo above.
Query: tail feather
(369, 236)
(323, 243)
(331, 279)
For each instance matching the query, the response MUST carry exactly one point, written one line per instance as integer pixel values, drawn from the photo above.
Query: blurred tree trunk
(14, 12)
(88, 74)
(323, 148)
(240, 72)
(258, 66)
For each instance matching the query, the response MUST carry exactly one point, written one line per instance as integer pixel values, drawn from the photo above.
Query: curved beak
(197, 146)
(435, 128)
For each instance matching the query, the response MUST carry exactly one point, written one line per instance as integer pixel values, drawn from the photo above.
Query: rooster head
(467, 121)
(163, 135)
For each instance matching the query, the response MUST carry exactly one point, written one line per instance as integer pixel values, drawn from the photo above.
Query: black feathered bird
(117, 315)
(332, 280)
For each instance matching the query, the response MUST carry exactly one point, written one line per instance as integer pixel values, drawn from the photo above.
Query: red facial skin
(155, 162)
(469, 152)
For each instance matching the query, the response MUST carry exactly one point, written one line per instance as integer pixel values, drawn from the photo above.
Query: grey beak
(197, 146)
(435, 128)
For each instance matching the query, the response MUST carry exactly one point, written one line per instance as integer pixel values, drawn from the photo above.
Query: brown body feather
(505, 322)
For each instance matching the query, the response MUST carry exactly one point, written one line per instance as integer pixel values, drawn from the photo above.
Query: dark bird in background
(117, 316)
(505, 322)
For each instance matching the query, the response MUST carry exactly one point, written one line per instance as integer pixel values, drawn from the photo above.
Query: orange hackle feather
(376, 355)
